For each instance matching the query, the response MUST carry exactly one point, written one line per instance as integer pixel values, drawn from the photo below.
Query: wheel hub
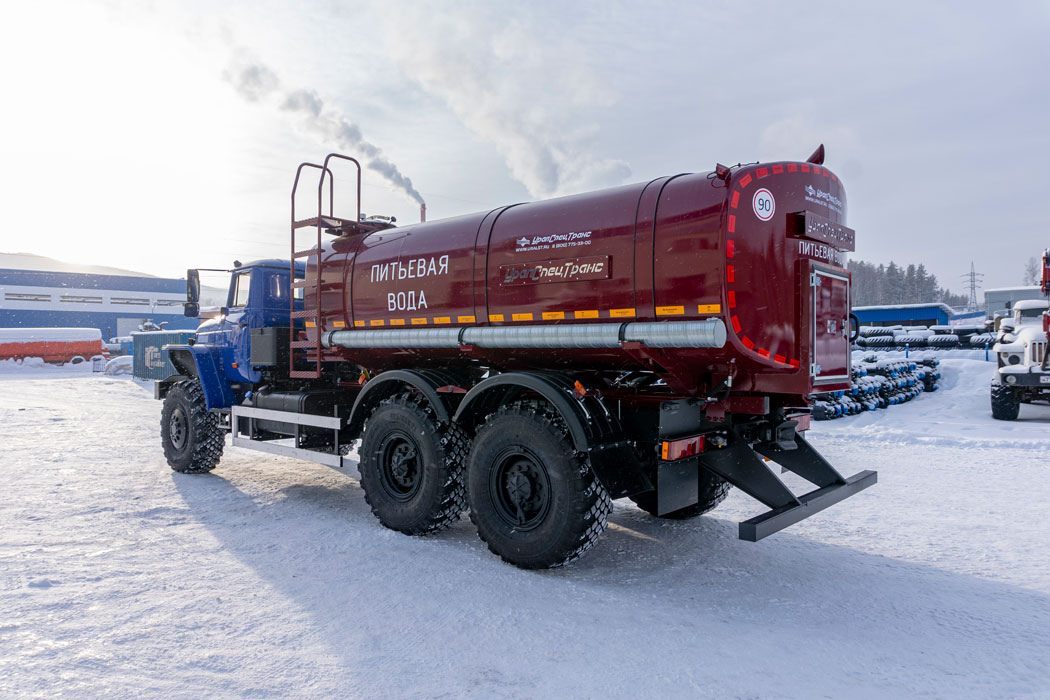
(178, 428)
(401, 464)
(400, 470)
(522, 491)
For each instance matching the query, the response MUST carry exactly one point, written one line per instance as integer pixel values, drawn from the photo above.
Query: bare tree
(1031, 272)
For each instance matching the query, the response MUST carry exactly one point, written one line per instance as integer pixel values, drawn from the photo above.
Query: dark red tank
(759, 249)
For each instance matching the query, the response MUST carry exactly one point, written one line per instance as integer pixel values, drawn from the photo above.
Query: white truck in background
(1023, 375)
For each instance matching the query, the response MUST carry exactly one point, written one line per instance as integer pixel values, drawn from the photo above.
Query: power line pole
(974, 278)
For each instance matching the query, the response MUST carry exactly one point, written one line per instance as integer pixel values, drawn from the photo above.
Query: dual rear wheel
(534, 500)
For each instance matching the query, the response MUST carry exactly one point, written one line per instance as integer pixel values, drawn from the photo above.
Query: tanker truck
(532, 363)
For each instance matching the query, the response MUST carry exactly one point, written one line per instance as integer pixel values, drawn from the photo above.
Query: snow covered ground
(270, 579)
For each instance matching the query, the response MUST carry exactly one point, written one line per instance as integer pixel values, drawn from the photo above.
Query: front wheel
(1006, 404)
(535, 500)
(192, 437)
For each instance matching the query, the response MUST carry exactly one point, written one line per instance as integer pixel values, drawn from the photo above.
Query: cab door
(829, 335)
(243, 314)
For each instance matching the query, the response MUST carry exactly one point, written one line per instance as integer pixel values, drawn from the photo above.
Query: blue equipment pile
(879, 384)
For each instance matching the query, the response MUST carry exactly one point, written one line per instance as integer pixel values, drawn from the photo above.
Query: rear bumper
(746, 466)
(811, 503)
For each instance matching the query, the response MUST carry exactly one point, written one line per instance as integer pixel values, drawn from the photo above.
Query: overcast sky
(158, 136)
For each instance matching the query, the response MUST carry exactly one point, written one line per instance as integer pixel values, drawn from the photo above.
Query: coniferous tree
(894, 284)
(1031, 272)
(880, 285)
(910, 291)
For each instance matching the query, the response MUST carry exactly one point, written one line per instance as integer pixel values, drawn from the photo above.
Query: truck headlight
(1011, 379)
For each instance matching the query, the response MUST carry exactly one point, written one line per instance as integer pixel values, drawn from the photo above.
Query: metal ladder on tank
(304, 344)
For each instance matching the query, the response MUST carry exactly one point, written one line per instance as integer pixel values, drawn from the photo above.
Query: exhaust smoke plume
(255, 82)
(533, 105)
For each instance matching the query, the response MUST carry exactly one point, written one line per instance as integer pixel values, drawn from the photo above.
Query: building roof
(894, 307)
(1026, 288)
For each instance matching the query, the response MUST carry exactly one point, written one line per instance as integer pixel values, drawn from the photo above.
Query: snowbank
(36, 368)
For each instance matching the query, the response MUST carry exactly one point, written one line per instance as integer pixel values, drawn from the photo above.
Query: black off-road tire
(534, 499)
(1006, 404)
(713, 489)
(192, 437)
(412, 466)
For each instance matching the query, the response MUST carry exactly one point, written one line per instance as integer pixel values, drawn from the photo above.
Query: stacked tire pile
(918, 337)
(879, 384)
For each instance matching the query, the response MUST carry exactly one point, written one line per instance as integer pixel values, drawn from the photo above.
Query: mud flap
(740, 464)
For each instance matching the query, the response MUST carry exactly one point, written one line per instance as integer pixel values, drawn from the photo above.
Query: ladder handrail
(325, 174)
(292, 332)
(331, 188)
(320, 185)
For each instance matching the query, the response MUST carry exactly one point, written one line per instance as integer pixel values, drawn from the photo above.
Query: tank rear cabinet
(532, 363)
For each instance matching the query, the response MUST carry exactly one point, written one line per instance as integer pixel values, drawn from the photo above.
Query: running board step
(811, 503)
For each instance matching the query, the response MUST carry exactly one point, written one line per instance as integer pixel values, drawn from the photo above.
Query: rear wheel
(192, 437)
(412, 467)
(1006, 404)
(534, 499)
(713, 490)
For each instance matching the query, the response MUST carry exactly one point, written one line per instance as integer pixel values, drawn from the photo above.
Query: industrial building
(116, 304)
(904, 315)
(1000, 301)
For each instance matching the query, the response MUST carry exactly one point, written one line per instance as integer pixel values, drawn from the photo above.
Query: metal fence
(150, 362)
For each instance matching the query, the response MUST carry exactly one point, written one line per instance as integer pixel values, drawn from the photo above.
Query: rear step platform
(813, 502)
(741, 464)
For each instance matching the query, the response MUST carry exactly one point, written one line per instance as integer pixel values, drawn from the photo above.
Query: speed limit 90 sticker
(764, 204)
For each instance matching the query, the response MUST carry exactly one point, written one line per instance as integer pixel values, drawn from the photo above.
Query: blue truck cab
(257, 311)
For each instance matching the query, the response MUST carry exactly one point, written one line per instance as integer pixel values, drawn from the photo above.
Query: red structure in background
(55, 345)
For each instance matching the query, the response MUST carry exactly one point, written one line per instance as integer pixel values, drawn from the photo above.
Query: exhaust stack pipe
(422, 212)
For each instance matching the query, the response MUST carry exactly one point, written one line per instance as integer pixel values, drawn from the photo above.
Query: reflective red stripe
(735, 200)
(763, 352)
(731, 228)
(748, 343)
(781, 359)
(730, 247)
(736, 323)
(730, 273)
(732, 299)
(745, 181)
(762, 172)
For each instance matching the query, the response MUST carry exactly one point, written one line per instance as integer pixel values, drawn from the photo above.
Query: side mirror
(191, 309)
(854, 328)
(225, 311)
(193, 287)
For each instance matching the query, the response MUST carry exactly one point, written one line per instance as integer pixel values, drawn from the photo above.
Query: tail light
(680, 449)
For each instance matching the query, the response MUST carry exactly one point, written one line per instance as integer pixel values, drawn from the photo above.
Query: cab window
(278, 289)
(241, 285)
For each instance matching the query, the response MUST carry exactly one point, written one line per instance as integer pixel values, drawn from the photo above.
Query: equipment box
(269, 347)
